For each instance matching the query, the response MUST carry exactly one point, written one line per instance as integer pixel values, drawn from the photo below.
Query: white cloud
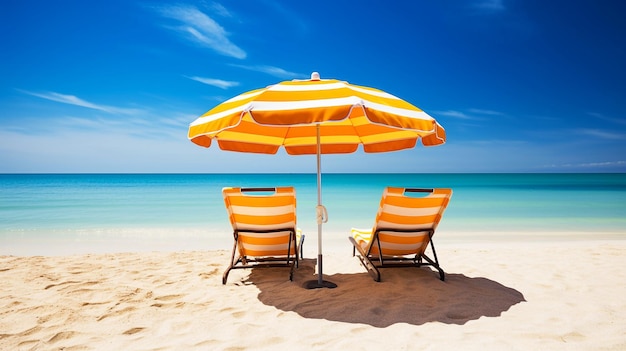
(200, 28)
(223, 84)
(485, 112)
(602, 134)
(453, 114)
(271, 70)
(472, 114)
(142, 122)
(606, 118)
(74, 100)
(603, 164)
(220, 10)
(607, 164)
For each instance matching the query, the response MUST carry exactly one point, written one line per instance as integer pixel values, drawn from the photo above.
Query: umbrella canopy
(316, 116)
(287, 114)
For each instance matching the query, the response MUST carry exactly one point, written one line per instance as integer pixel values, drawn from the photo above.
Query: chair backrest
(406, 219)
(264, 219)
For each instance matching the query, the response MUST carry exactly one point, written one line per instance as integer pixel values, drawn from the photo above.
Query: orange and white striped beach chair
(405, 224)
(264, 228)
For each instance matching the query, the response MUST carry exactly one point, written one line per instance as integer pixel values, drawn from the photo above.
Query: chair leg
(435, 265)
(369, 266)
(299, 251)
(297, 254)
(293, 265)
(371, 269)
(435, 262)
(225, 276)
(231, 265)
(432, 246)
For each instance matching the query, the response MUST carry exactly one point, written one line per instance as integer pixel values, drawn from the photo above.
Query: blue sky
(111, 86)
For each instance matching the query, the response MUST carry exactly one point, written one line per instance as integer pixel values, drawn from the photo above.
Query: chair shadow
(405, 295)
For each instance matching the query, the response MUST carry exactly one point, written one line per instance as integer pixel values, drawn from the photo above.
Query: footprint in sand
(30, 331)
(28, 344)
(62, 283)
(168, 297)
(81, 288)
(207, 275)
(132, 331)
(116, 313)
(62, 336)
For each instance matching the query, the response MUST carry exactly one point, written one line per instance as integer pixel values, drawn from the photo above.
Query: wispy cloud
(601, 134)
(220, 10)
(200, 28)
(141, 122)
(74, 100)
(485, 112)
(607, 164)
(271, 70)
(455, 114)
(472, 114)
(603, 164)
(223, 84)
(170, 125)
(606, 118)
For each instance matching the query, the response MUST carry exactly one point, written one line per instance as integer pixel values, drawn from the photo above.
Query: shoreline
(125, 240)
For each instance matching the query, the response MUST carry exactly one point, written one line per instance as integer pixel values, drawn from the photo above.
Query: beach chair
(405, 224)
(264, 228)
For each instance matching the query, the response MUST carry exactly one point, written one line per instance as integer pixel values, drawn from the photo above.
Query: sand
(506, 295)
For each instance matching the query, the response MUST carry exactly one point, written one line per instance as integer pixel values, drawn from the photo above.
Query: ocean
(79, 213)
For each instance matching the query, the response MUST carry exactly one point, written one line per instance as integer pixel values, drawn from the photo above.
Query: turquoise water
(188, 208)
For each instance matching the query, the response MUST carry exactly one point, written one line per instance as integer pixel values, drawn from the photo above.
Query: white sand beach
(507, 295)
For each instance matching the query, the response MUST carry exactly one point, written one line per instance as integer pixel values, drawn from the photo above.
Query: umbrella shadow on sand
(405, 295)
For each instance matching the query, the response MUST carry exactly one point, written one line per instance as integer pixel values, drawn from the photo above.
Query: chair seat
(264, 228)
(404, 227)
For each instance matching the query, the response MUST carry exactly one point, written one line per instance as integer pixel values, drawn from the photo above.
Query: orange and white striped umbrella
(314, 117)
(288, 114)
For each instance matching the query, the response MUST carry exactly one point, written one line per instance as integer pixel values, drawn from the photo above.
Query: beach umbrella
(314, 117)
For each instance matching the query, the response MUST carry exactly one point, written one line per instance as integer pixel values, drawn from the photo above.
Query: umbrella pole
(321, 218)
